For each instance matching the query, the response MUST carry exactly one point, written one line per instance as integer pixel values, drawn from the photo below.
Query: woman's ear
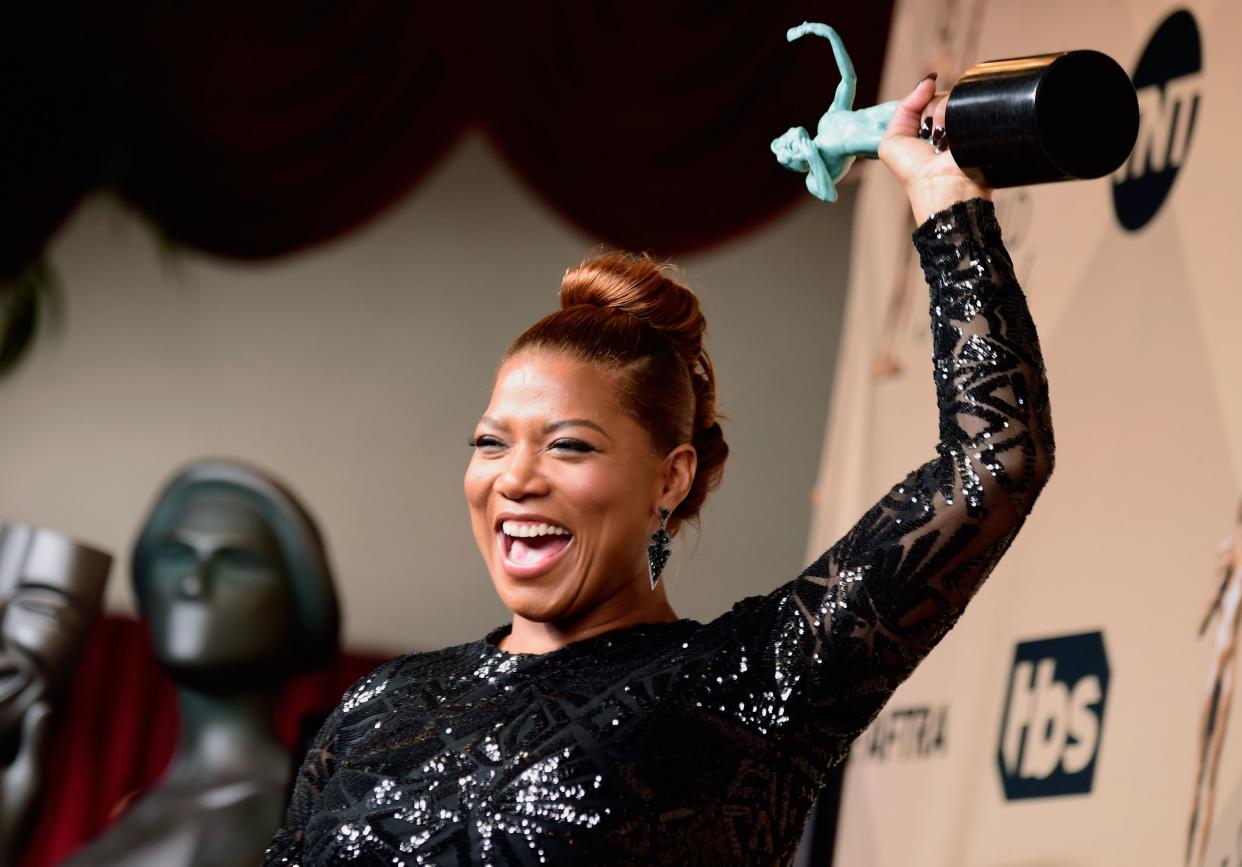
(680, 466)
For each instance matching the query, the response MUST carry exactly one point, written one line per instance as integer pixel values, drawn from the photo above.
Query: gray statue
(233, 580)
(50, 593)
(842, 135)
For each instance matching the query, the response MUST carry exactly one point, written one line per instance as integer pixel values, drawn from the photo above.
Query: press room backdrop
(1080, 714)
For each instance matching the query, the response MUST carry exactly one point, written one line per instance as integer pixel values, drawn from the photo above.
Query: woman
(598, 728)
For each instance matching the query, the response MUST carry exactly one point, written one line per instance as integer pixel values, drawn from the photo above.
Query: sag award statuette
(1026, 120)
(51, 590)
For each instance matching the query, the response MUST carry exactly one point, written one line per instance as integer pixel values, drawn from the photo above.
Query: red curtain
(253, 129)
(121, 725)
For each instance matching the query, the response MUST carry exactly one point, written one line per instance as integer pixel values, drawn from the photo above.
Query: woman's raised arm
(901, 576)
(823, 653)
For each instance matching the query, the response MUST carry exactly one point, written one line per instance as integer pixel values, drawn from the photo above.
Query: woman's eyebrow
(549, 427)
(574, 422)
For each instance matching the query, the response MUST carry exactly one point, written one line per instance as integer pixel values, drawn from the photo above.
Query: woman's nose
(521, 477)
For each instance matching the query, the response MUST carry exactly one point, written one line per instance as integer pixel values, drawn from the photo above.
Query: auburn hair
(635, 317)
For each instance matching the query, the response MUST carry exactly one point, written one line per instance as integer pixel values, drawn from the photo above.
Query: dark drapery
(254, 129)
(121, 726)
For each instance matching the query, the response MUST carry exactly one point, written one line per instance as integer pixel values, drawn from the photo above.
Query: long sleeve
(823, 653)
(317, 768)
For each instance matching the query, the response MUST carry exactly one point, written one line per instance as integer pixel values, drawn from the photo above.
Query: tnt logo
(1169, 81)
(1050, 733)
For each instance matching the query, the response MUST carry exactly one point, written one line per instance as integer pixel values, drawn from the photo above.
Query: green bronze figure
(843, 133)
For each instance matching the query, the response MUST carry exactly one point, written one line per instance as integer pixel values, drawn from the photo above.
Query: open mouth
(531, 547)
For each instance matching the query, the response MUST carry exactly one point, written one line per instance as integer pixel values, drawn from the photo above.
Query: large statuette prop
(51, 589)
(1027, 120)
(232, 578)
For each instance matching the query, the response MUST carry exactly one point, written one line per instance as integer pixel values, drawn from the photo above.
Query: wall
(1080, 713)
(356, 372)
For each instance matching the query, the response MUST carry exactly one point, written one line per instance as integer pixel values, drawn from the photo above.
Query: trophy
(51, 589)
(1071, 115)
(232, 577)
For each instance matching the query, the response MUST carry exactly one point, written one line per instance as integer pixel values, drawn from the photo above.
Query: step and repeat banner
(1082, 712)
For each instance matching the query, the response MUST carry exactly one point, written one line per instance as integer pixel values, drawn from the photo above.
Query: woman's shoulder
(406, 666)
(745, 614)
(749, 628)
(378, 694)
(415, 665)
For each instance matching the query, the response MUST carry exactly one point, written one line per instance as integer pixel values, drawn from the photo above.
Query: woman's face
(564, 487)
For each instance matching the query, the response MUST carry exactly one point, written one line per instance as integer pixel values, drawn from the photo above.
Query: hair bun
(633, 315)
(647, 290)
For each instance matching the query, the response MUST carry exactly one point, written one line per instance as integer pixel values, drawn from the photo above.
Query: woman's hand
(932, 180)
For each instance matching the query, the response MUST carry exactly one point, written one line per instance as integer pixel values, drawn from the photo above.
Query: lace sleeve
(827, 650)
(317, 768)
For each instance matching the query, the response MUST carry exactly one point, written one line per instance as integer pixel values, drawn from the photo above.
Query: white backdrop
(1062, 722)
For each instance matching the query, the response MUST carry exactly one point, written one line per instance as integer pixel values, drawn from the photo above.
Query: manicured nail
(942, 144)
(931, 75)
(937, 135)
(925, 130)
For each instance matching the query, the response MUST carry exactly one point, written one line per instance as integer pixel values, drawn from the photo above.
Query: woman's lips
(531, 557)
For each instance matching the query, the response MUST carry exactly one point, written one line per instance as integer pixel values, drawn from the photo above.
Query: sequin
(688, 743)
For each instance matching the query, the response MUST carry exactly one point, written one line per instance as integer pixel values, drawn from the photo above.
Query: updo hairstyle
(635, 317)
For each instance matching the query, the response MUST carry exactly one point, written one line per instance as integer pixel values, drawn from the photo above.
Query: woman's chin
(546, 597)
(542, 602)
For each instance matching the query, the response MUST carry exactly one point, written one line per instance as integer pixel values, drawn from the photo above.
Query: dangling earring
(658, 551)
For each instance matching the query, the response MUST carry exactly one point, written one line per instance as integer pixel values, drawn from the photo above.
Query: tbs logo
(1054, 712)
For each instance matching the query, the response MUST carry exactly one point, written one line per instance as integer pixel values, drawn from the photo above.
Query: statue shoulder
(225, 823)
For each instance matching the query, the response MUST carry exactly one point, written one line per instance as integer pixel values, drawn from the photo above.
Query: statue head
(793, 149)
(232, 578)
(50, 593)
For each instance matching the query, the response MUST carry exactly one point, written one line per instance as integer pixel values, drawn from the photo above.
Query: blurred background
(302, 235)
(395, 193)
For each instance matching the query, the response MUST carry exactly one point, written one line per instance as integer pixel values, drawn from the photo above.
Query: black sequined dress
(687, 743)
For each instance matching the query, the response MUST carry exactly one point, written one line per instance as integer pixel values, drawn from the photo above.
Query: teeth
(526, 529)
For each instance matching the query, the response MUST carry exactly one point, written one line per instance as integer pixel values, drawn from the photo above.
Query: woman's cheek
(476, 483)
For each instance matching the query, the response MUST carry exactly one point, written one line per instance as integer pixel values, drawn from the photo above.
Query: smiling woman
(603, 414)
(598, 727)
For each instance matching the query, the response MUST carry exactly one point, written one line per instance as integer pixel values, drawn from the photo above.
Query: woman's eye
(486, 443)
(572, 446)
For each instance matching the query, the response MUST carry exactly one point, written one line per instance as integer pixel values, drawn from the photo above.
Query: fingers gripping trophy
(1070, 115)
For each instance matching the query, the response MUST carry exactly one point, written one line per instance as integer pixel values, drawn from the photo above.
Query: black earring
(658, 551)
